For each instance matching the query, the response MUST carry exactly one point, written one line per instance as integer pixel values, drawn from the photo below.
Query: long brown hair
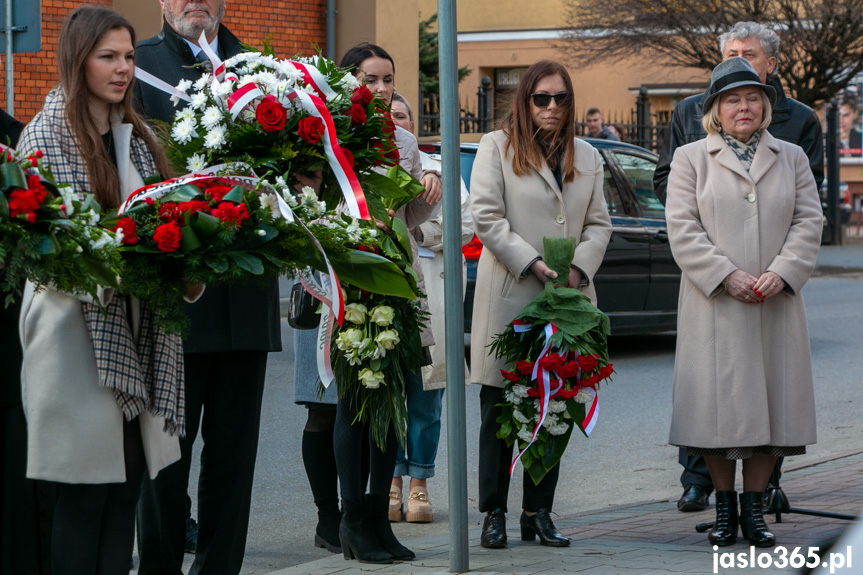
(530, 147)
(83, 29)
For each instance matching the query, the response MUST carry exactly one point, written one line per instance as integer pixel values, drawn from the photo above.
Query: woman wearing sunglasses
(531, 179)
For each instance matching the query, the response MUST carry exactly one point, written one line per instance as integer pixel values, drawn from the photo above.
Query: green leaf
(372, 273)
(45, 246)
(184, 193)
(103, 274)
(190, 240)
(236, 195)
(217, 263)
(205, 225)
(375, 365)
(247, 262)
(402, 235)
(12, 176)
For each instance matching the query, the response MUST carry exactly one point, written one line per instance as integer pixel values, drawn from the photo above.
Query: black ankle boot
(377, 508)
(725, 530)
(752, 520)
(320, 464)
(357, 536)
(540, 524)
(494, 529)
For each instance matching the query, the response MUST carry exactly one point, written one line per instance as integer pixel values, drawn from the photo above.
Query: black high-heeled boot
(357, 536)
(752, 520)
(725, 530)
(320, 465)
(540, 524)
(378, 511)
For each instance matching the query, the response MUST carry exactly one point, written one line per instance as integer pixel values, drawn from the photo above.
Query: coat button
(751, 198)
(560, 219)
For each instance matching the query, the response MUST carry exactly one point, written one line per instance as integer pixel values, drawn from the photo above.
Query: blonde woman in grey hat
(744, 222)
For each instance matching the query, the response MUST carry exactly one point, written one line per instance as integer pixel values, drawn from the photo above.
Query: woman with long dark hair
(531, 179)
(102, 390)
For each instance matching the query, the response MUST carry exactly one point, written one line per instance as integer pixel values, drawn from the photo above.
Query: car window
(610, 190)
(639, 173)
(466, 165)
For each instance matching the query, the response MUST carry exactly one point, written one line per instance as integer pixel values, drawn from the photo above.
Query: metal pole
(10, 96)
(331, 29)
(832, 156)
(455, 395)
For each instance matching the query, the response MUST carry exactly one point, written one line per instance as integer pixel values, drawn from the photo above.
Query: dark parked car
(638, 282)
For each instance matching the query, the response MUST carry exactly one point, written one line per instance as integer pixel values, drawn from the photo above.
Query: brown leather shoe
(419, 508)
(396, 508)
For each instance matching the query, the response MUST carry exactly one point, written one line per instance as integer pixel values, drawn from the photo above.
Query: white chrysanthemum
(290, 72)
(248, 116)
(550, 420)
(519, 416)
(272, 202)
(184, 85)
(196, 163)
(223, 89)
(583, 396)
(525, 434)
(556, 406)
(211, 117)
(202, 82)
(186, 113)
(350, 82)
(184, 131)
(290, 198)
(559, 429)
(268, 79)
(215, 137)
(199, 100)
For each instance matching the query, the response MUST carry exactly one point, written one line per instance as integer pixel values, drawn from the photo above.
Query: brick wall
(293, 27)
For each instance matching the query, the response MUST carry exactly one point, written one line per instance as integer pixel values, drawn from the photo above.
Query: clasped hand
(749, 289)
(544, 273)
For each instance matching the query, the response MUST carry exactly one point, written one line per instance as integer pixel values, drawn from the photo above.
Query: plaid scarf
(144, 375)
(745, 151)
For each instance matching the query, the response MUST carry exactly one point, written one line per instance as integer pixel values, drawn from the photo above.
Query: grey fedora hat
(733, 73)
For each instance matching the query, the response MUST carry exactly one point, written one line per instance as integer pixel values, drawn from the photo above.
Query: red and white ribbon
(313, 77)
(215, 61)
(160, 84)
(592, 414)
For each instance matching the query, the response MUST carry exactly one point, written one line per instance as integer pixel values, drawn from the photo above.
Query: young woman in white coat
(744, 223)
(531, 179)
(102, 393)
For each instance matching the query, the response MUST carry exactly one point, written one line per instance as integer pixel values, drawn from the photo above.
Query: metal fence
(642, 127)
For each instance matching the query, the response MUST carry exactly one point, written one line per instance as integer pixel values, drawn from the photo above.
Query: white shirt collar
(214, 45)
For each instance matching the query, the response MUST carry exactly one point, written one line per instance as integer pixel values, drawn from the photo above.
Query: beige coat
(742, 373)
(511, 215)
(74, 424)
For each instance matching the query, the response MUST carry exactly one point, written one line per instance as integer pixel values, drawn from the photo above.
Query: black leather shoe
(694, 498)
(752, 520)
(540, 524)
(725, 529)
(494, 529)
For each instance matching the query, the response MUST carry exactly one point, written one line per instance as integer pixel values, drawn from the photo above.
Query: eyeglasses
(543, 100)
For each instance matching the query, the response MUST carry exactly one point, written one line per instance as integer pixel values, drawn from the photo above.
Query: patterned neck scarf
(745, 151)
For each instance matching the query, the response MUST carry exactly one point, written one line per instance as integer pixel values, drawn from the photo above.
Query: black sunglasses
(543, 100)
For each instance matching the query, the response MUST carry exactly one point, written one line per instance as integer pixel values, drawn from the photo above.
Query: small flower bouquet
(558, 353)
(380, 337)
(48, 234)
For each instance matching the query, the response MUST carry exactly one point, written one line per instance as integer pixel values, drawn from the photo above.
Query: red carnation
(524, 367)
(358, 115)
(362, 95)
(232, 214)
(606, 371)
(168, 236)
(170, 212)
(311, 129)
(510, 376)
(567, 370)
(533, 392)
(33, 161)
(194, 206)
(551, 362)
(216, 192)
(587, 363)
(129, 229)
(27, 201)
(31, 217)
(150, 202)
(271, 114)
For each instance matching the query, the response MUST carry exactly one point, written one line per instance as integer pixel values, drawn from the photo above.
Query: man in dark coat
(791, 121)
(233, 327)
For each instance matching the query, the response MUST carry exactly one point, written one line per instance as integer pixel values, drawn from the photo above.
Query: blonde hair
(710, 121)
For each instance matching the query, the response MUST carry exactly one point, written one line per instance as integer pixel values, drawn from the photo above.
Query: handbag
(302, 309)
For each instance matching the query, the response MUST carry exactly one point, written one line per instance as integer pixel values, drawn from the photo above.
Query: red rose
(168, 236)
(348, 156)
(362, 96)
(358, 115)
(510, 376)
(388, 127)
(271, 115)
(524, 367)
(231, 214)
(391, 158)
(311, 129)
(377, 147)
(129, 228)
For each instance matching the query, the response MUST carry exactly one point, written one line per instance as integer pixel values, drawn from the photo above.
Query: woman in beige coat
(744, 221)
(531, 179)
(102, 393)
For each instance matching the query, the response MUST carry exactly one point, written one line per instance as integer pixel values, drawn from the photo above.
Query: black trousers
(228, 387)
(94, 524)
(495, 458)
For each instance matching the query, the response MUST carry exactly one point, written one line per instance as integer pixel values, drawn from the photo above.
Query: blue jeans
(424, 409)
